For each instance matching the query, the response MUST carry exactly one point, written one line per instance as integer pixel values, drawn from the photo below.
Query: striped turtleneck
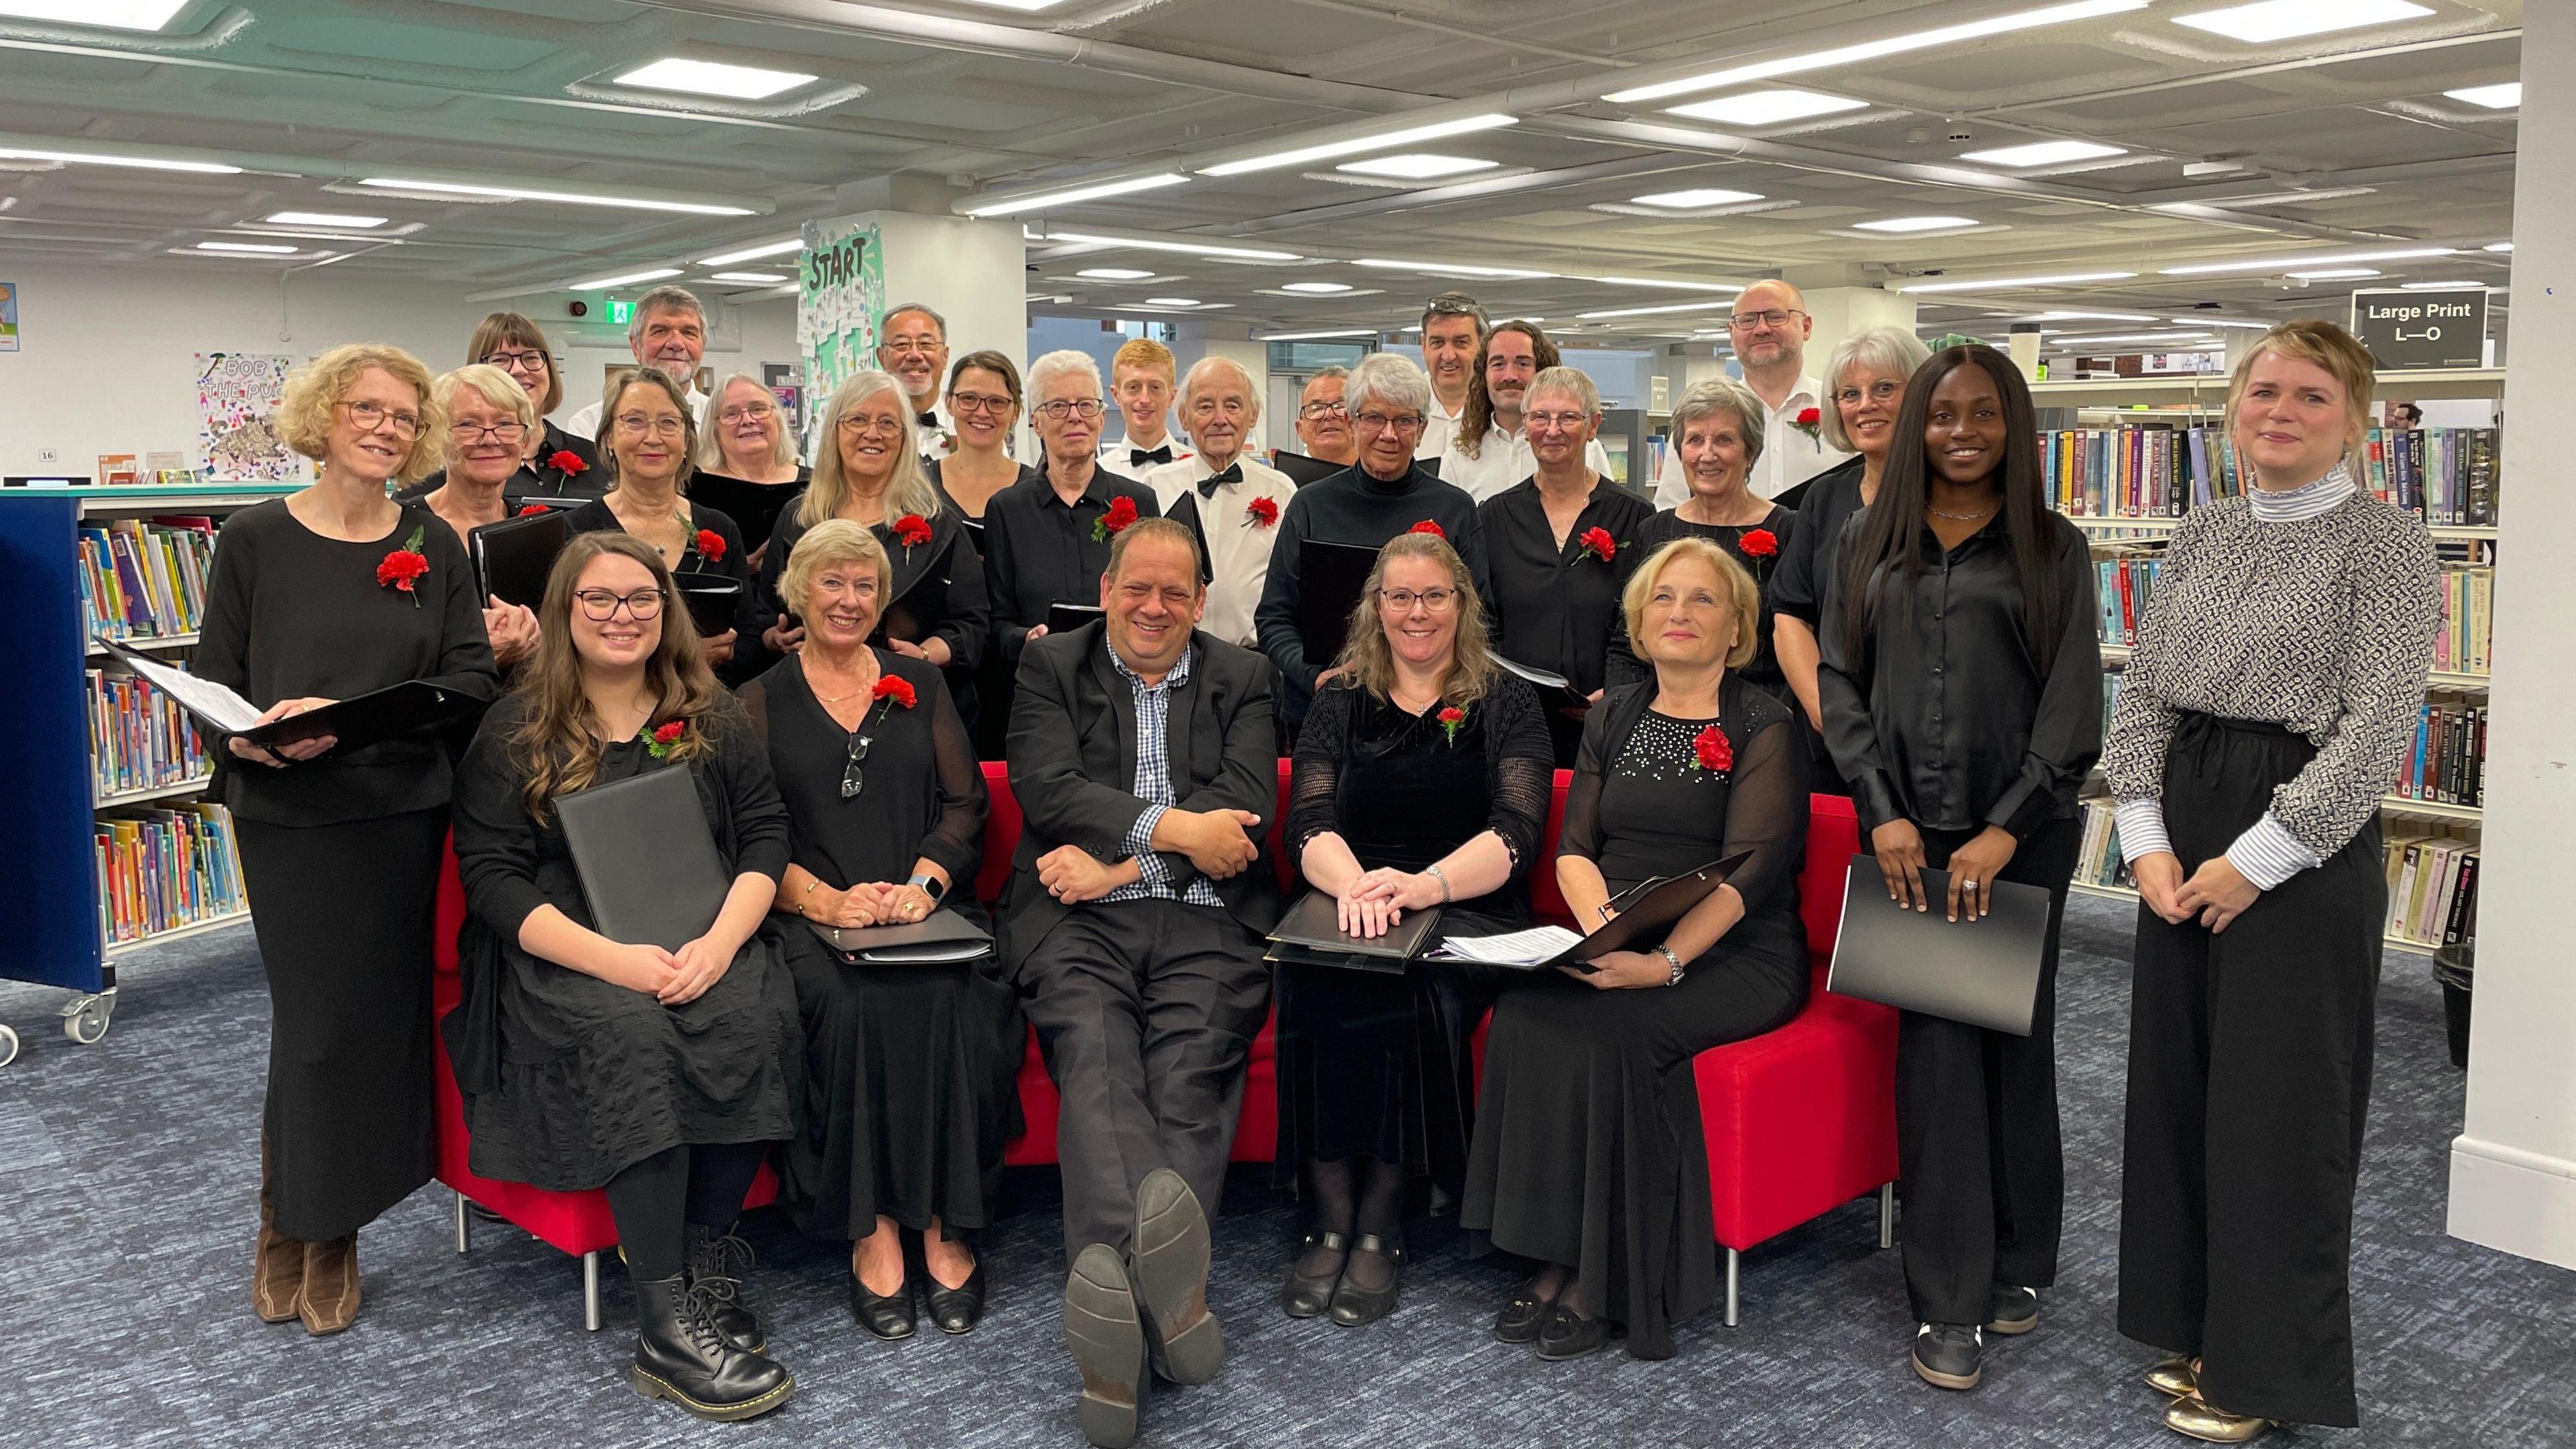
(2308, 500)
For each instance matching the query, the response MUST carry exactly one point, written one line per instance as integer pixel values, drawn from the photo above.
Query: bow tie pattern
(1139, 457)
(1208, 485)
(928, 420)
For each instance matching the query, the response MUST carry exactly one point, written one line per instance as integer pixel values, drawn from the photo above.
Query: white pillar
(2513, 1167)
(1842, 311)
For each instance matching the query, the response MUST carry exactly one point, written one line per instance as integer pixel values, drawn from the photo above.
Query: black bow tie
(1139, 457)
(1208, 485)
(930, 421)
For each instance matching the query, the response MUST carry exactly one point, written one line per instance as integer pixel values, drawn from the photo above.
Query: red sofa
(1798, 1121)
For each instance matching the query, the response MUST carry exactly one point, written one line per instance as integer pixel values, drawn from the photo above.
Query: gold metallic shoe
(2175, 1378)
(2197, 1418)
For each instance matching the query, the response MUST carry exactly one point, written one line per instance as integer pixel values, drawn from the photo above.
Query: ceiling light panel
(751, 278)
(2215, 322)
(709, 78)
(109, 158)
(2337, 274)
(1068, 196)
(2282, 264)
(2272, 20)
(1417, 166)
(1171, 301)
(747, 254)
(1768, 108)
(2503, 97)
(1195, 249)
(1703, 196)
(623, 279)
(1901, 225)
(2044, 153)
(569, 198)
(1318, 289)
(2438, 286)
(1317, 336)
(104, 14)
(2032, 19)
(1669, 284)
(1992, 284)
(2498, 247)
(1354, 145)
(257, 249)
(344, 220)
(1711, 305)
(1114, 274)
(1454, 269)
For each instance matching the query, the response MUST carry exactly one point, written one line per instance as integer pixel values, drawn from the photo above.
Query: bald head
(1770, 330)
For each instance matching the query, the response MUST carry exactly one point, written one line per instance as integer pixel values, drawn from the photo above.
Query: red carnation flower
(527, 508)
(1714, 752)
(1263, 512)
(565, 460)
(659, 742)
(898, 690)
(910, 529)
(1598, 543)
(711, 545)
(1809, 417)
(1122, 512)
(1758, 543)
(1449, 720)
(1429, 527)
(402, 568)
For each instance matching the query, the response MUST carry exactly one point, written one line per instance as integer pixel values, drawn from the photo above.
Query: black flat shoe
(956, 1310)
(1522, 1313)
(1353, 1305)
(1308, 1297)
(887, 1316)
(2013, 1312)
(1565, 1334)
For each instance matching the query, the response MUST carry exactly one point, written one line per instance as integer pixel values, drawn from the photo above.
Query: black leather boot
(680, 1355)
(716, 1262)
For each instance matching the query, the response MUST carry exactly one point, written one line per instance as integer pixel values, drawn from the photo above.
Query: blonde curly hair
(315, 391)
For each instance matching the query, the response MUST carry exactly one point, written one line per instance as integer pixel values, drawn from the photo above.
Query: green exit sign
(621, 313)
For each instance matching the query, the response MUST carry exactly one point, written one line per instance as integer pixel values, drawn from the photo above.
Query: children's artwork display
(238, 394)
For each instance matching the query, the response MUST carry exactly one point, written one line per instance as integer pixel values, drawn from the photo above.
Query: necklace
(1977, 517)
(838, 698)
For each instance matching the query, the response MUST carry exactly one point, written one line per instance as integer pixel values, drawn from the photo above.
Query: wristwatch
(929, 885)
(1674, 961)
(1434, 871)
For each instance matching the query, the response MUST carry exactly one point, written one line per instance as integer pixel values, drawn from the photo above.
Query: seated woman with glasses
(1380, 496)
(647, 434)
(487, 417)
(870, 472)
(585, 1062)
(746, 464)
(552, 462)
(909, 1069)
(1421, 783)
(1046, 537)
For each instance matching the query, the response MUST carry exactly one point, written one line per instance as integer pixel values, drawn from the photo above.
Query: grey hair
(494, 386)
(1890, 350)
(1319, 374)
(662, 299)
(1458, 304)
(1059, 363)
(1572, 381)
(782, 442)
(1721, 395)
(1390, 378)
(924, 308)
(908, 491)
(1205, 365)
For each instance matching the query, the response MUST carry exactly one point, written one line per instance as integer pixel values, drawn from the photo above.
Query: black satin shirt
(1947, 718)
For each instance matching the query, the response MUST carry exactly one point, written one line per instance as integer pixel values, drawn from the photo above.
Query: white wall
(109, 352)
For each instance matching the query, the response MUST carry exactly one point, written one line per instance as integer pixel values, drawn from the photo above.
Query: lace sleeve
(1315, 772)
(754, 699)
(956, 838)
(1766, 812)
(1581, 833)
(1520, 770)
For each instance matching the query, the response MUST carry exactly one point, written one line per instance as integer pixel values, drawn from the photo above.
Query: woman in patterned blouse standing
(2276, 673)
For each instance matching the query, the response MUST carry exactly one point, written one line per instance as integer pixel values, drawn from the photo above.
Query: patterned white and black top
(2313, 608)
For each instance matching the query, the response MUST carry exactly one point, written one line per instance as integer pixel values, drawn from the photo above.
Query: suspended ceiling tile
(2183, 101)
(1988, 67)
(371, 39)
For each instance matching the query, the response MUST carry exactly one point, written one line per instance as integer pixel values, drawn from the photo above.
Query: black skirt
(344, 915)
(911, 1077)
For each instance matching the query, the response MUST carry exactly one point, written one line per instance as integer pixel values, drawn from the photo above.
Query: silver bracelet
(1447, 892)
(1674, 961)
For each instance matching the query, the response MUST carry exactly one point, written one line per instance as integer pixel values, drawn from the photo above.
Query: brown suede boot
(329, 1301)
(277, 1263)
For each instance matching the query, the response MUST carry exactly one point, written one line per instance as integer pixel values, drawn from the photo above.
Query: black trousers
(1980, 1164)
(2249, 1084)
(344, 918)
(1146, 1011)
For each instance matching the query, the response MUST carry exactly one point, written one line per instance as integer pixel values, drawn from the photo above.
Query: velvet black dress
(910, 1070)
(1588, 1148)
(1376, 1064)
(569, 1079)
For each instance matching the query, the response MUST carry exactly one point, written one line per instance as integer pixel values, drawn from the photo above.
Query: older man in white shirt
(1231, 500)
(1770, 329)
(912, 343)
(1515, 354)
(668, 333)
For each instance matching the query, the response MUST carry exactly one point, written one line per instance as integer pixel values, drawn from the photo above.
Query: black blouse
(1947, 718)
(753, 507)
(1402, 792)
(1039, 552)
(1553, 604)
(921, 794)
(1807, 551)
(1760, 559)
(292, 614)
(938, 588)
(728, 559)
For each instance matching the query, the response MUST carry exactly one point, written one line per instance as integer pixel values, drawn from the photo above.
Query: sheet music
(1534, 674)
(1516, 948)
(216, 704)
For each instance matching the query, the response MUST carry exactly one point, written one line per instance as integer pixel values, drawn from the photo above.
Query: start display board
(2413, 330)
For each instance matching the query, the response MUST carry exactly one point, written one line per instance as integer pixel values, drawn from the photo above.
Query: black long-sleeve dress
(909, 1069)
(1770, 539)
(1377, 1064)
(938, 593)
(341, 856)
(1588, 1147)
(1554, 604)
(1039, 551)
(990, 721)
(569, 1079)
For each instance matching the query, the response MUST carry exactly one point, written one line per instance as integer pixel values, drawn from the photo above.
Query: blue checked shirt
(1154, 786)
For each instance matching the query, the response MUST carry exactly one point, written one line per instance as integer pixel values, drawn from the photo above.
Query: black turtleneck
(1354, 507)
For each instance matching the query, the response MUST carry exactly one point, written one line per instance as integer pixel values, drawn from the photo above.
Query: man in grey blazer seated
(1142, 756)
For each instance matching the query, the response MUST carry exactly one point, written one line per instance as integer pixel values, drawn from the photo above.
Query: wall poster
(238, 394)
(840, 296)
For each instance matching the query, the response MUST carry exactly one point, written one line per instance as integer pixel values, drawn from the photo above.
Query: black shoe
(1168, 1260)
(1947, 1355)
(1565, 1334)
(886, 1316)
(2014, 1311)
(680, 1356)
(956, 1310)
(1522, 1313)
(1308, 1296)
(1355, 1306)
(1105, 1330)
(716, 1263)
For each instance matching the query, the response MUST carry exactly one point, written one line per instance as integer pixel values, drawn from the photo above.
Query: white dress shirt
(1439, 429)
(1505, 460)
(937, 433)
(1118, 457)
(1789, 456)
(584, 424)
(1238, 547)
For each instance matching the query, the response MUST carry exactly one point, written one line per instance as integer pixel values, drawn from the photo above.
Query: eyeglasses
(858, 425)
(1085, 408)
(851, 780)
(516, 361)
(1556, 420)
(1401, 601)
(911, 346)
(369, 417)
(1315, 410)
(509, 432)
(976, 402)
(639, 424)
(602, 606)
(1882, 390)
(1775, 317)
(1381, 422)
(746, 412)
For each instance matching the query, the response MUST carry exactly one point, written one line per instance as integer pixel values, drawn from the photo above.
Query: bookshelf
(54, 807)
(2208, 390)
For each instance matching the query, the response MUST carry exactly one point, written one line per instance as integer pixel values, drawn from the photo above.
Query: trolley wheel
(8, 1046)
(85, 1019)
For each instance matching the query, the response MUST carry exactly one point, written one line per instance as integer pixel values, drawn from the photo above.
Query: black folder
(1983, 972)
(714, 602)
(1302, 470)
(1330, 577)
(1311, 934)
(646, 858)
(1065, 618)
(407, 710)
(515, 557)
(553, 502)
(946, 936)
